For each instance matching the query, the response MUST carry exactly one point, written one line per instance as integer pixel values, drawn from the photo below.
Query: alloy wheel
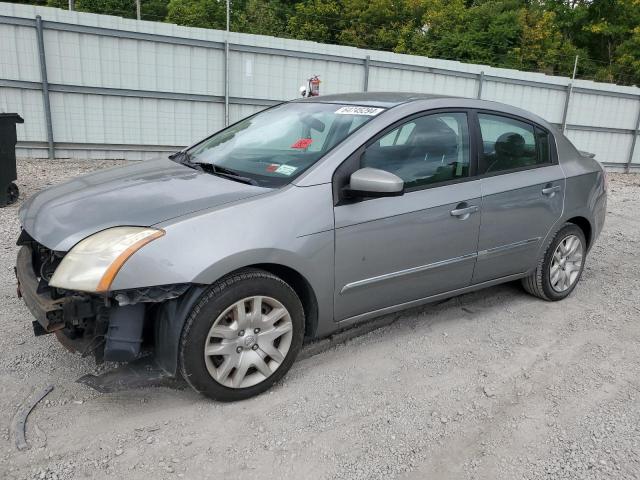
(566, 263)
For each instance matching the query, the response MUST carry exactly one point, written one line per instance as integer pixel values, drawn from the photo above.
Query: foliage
(197, 13)
(538, 35)
(377, 23)
(316, 20)
(261, 17)
(56, 3)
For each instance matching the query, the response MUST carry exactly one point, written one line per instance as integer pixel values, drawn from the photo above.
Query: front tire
(560, 269)
(242, 336)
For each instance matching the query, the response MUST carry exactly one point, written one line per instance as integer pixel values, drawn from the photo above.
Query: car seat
(435, 150)
(509, 152)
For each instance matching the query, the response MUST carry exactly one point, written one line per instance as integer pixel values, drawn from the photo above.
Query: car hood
(143, 194)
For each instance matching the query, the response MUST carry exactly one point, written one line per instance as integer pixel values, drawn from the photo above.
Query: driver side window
(424, 150)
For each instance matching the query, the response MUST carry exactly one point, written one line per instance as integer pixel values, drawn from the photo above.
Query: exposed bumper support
(48, 312)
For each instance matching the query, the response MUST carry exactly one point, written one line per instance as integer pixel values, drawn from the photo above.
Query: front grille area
(79, 320)
(44, 260)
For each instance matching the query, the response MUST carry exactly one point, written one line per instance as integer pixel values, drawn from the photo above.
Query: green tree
(316, 20)
(154, 10)
(627, 66)
(121, 8)
(31, 2)
(262, 17)
(378, 24)
(604, 30)
(542, 45)
(197, 13)
(482, 33)
(58, 3)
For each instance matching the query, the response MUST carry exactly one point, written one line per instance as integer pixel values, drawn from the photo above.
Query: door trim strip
(408, 271)
(421, 301)
(482, 254)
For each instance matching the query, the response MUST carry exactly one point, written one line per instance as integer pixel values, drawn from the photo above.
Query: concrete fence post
(633, 143)
(480, 83)
(367, 60)
(226, 83)
(565, 111)
(45, 86)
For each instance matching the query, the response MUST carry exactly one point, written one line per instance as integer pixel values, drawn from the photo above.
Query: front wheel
(560, 269)
(242, 336)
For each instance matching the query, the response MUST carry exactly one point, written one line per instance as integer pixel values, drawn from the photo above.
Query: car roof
(374, 99)
(393, 99)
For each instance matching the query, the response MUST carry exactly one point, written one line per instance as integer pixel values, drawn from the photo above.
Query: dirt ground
(490, 385)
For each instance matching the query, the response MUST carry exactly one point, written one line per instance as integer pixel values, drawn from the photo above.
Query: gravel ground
(490, 385)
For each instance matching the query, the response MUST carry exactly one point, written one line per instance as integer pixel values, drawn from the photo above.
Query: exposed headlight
(93, 263)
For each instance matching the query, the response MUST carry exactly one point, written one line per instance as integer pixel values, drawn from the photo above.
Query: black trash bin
(8, 190)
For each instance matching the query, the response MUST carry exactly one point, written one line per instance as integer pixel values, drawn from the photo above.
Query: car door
(522, 194)
(393, 250)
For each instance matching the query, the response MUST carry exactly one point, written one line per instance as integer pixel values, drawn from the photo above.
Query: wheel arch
(172, 314)
(303, 289)
(585, 225)
(292, 267)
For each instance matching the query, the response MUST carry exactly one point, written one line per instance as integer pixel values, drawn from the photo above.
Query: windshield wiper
(184, 158)
(228, 173)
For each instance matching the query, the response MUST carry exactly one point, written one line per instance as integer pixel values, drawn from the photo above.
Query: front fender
(291, 227)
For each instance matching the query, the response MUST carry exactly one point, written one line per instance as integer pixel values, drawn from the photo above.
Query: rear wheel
(242, 336)
(560, 269)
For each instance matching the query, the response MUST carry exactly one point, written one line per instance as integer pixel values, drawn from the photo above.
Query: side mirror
(372, 182)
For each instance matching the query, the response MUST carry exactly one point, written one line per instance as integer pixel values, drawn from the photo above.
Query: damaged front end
(115, 326)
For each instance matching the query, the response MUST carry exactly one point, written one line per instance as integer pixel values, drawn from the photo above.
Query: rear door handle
(464, 212)
(550, 191)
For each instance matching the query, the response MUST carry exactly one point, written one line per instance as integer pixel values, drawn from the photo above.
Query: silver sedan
(302, 220)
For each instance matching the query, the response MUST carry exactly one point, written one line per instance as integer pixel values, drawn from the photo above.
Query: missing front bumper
(119, 326)
(47, 311)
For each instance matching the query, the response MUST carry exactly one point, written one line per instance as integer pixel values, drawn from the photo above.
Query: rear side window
(510, 144)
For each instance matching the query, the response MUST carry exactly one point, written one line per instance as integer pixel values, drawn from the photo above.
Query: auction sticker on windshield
(286, 169)
(302, 143)
(355, 110)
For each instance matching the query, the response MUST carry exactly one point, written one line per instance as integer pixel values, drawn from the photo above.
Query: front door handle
(551, 191)
(462, 211)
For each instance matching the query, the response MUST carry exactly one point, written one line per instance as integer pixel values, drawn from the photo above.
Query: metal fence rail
(119, 88)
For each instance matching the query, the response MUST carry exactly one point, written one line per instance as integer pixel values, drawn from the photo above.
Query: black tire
(13, 193)
(539, 282)
(220, 296)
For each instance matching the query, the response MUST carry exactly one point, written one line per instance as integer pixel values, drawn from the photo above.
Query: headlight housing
(93, 263)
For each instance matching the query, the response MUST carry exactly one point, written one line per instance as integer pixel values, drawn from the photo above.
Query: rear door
(522, 194)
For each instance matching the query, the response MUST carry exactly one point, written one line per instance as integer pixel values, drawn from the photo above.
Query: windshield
(275, 146)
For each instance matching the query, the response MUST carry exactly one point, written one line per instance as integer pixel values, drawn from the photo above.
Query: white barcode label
(355, 110)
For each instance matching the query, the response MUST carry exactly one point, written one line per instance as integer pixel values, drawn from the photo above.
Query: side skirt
(422, 301)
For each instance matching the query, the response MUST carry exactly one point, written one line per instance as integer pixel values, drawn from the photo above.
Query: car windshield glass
(277, 145)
